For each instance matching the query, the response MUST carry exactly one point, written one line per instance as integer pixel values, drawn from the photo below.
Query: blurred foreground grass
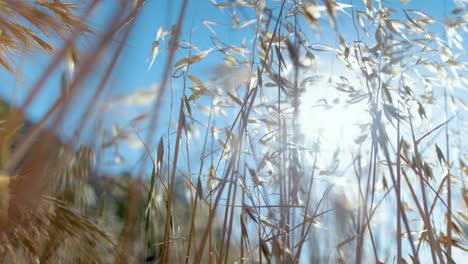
(267, 196)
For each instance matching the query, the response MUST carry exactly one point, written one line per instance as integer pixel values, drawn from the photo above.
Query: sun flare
(325, 117)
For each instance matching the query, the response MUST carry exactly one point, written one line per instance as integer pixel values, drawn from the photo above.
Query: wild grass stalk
(262, 192)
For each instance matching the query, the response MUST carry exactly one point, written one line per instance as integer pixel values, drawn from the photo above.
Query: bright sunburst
(325, 116)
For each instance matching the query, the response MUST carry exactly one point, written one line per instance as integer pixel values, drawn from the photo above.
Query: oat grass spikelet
(31, 25)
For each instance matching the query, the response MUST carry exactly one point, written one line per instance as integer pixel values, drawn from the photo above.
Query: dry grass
(256, 190)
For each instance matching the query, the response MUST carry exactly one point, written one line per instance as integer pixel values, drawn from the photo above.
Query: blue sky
(131, 72)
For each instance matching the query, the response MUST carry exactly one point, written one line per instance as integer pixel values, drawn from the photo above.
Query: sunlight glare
(324, 116)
